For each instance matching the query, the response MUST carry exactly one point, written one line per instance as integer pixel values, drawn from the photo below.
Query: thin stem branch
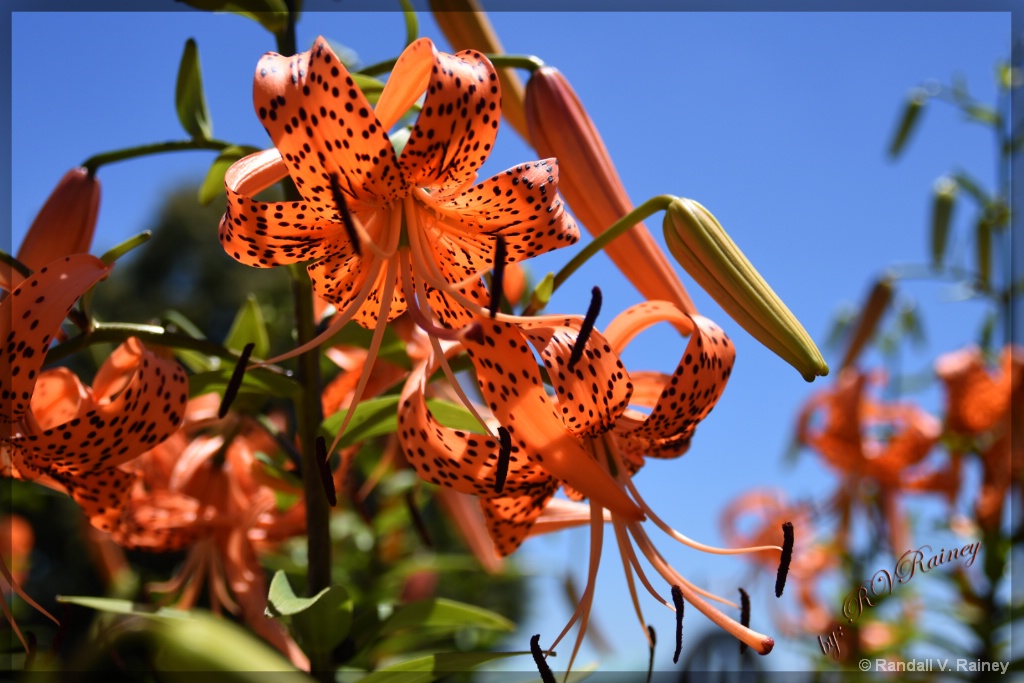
(94, 162)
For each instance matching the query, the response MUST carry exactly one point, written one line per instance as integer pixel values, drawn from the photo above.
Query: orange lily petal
(322, 124)
(975, 399)
(509, 519)
(521, 204)
(593, 395)
(511, 386)
(456, 127)
(112, 432)
(57, 398)
(38, 306)
(462, 461)
(688, 396)
(341, 278)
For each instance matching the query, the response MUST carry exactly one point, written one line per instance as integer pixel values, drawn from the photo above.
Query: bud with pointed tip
(706, 252)
(867, 322)
(64, 225)
(560, 127)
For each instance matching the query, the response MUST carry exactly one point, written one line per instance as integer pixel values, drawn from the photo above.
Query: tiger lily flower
(584, 437)
(838, 424)
(386, 220)
(203, 490)
(980, 407)
(58, 432)
(64, 225)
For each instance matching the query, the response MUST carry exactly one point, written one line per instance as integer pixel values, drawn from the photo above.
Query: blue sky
(778, 123)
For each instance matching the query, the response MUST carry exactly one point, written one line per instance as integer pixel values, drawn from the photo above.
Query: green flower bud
(706, 252)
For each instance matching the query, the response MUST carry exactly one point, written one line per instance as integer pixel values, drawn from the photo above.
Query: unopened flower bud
(867, 322)
(560, 127)
(706, 252)
(66, 223)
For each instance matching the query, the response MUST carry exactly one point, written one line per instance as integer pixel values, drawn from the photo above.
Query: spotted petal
(119, 427)
(521, 204)
(456, 127)
(30, 316)
(459, 460)
(511, 386)
(510, 519)
(592, 395)
(323, 124)
(688, 395)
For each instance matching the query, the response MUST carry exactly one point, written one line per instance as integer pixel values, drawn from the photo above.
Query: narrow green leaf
(271, 14)
(249, 326)
(982, 114)
(258, 383)
(971, 186)
(942, 214)
(379, 416)
(983, 252)
(114, 253)
(117, 606)
(442, 613)
(213, 183)
(193, 360)
(911, 113)
(189, 97)
(434, 667)
(412, 24)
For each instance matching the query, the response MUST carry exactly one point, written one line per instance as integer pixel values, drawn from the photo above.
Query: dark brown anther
(497, 281)
(744, 615)
(677, 600)
(326, 478)
(785, 559)
(586, 328)
(504, 455)
(231, 391)
(538, 658)
(474, 333)
(654, 641)
(346, 215)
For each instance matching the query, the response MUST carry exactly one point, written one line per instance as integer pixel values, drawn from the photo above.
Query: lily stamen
(744, 615)
(346, 215)
(323, 462)
(235, 383)
(677, 600)
(586, 328)
(785, 559)
(498, 278)
(504, 455)
(538, 658)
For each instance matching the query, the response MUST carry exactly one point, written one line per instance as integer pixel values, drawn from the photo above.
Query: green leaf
(193, 360)
(972, 187)
(942, 214)
(249, 326)
(983, 252)
(433, 667)
(114, 253)
(213, 184)
(392, 348)
(379, 416)
(189, 97)
(442, 613)
(911, 113)
(321, 622)
(982, 114)
(271, 14)
(117, 606)
(412, 24)
(257, 383)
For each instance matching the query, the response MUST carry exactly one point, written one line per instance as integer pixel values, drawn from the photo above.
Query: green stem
(310, 415)
(378, 68)
(103, 333)
(412, 24)
(14, 263)
(618, 228)
(94, 162)
(528, 62)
